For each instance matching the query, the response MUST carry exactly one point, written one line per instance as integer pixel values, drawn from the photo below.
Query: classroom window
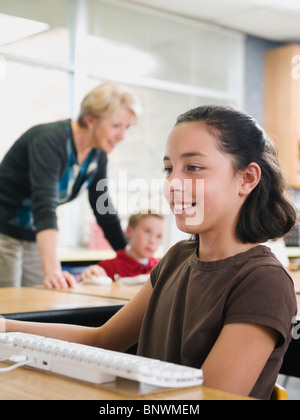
(34, 48)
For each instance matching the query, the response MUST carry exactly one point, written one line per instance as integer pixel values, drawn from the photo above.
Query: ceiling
(277, 20)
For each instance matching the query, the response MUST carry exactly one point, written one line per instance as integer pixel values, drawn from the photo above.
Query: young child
(144, 233)
(220, 301)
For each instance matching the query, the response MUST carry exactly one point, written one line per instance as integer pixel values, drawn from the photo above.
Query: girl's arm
(120, 333)
(238, 357)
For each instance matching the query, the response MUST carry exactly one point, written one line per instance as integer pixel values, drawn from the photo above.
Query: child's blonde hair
(135, 219)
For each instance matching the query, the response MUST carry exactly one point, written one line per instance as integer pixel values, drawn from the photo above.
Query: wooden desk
(84, 255)
(296, 277)
(54, 306)
(115, 291)
(293, 252)
(24, 384)
(16, 300)
(291, 362)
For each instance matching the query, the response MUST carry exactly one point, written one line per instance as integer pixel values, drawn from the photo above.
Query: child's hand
(93, 271)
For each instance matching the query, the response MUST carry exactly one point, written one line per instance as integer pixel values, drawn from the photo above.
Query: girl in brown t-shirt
(220, 302)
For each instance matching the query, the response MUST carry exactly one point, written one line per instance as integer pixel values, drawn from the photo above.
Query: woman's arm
(47, 160)
(238, 357)
(47, 241)
(120, 333)
(103, 208)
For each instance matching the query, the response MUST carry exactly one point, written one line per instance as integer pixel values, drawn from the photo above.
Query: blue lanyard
(83, 168)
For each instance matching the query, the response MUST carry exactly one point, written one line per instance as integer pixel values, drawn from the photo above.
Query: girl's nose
(173, 190)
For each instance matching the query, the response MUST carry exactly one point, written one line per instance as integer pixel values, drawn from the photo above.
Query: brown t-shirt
(192, 300)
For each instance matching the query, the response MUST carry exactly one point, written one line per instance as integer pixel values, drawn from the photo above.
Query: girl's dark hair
(267, 213)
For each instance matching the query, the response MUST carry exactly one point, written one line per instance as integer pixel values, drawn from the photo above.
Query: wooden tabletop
(125, 293)
(19, 300)
(81, 255)
(296, 277)
(115, 291)
(25, 384)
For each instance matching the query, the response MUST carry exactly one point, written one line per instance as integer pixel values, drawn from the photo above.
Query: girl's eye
(193, 168)
(167, 171)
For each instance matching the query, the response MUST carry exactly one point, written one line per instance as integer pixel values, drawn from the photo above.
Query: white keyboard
(92, 364)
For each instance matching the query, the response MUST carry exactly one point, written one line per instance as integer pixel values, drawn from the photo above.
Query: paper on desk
(132, 281)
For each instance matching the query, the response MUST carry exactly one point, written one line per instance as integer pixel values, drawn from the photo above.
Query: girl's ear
(250, 178)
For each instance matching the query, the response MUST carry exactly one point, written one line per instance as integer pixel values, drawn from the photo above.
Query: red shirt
(126, 266)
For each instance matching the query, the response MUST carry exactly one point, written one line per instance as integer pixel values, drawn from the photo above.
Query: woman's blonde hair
(107, 98)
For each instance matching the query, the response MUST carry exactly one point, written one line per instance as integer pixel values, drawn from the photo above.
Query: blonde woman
(50, 165)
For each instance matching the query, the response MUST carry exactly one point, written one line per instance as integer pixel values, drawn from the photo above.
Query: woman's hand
(93, 271)
(59, 280)
(54, 276)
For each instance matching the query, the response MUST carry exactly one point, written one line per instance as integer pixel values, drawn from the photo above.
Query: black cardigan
(40, 172)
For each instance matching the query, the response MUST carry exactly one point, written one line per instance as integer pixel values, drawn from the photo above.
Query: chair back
(279, 394)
